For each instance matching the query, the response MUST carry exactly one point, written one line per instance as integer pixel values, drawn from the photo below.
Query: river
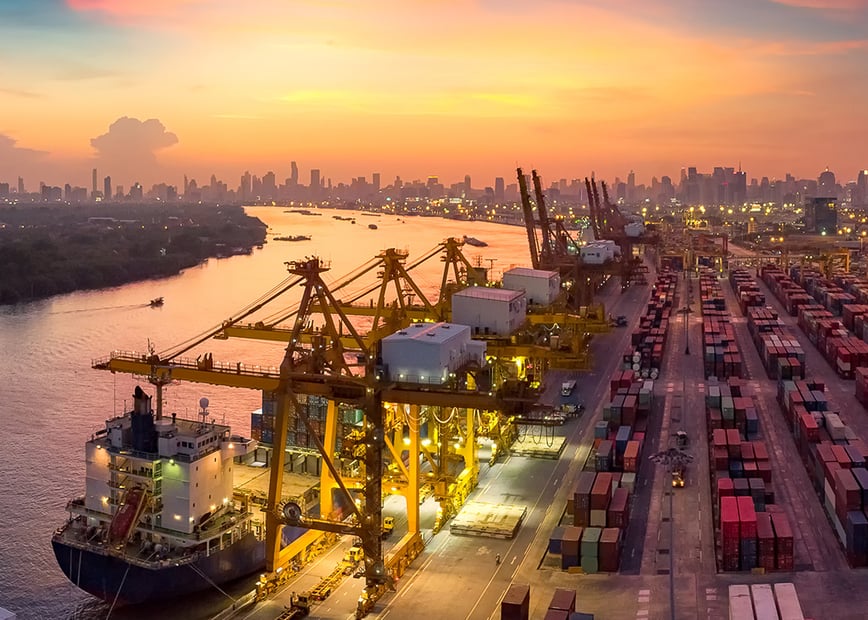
(51, 400)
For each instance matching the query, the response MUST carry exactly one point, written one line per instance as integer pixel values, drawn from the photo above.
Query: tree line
(48, 250)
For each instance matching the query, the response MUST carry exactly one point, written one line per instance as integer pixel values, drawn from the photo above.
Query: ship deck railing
(76, 506)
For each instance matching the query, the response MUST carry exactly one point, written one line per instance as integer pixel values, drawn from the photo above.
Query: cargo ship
(160, 518)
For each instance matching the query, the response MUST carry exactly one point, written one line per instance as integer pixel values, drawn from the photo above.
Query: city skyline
(723, 185)
(169, 88)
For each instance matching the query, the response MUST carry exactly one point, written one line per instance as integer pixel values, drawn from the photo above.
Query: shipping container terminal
(514, 446)
(466, 567)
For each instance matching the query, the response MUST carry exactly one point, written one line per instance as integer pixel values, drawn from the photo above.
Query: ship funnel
(144, 434)
(141, 402)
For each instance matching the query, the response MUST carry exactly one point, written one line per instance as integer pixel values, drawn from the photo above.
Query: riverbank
(48, 250)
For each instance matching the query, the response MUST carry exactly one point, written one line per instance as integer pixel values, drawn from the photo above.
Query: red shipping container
(516, 603)
(721, 459)
(729, 524)
(733, 442)
(556, 614)
(764, 470)
(602, 491)
(747, 517)
(610, 549)
(783, 541)
(809, 428)
(618, 514)
(563, 600)
(841, 456)
(724, 487)
(765, 541)
(848, 493)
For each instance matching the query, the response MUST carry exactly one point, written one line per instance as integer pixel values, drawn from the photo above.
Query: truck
(567, 387)
(678, 472)
(353, 554)
(299, 607)
(388, 526)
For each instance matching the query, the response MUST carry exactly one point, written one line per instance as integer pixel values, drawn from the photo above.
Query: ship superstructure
(159, 517)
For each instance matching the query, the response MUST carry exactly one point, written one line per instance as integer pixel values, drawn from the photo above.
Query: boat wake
(103, 309)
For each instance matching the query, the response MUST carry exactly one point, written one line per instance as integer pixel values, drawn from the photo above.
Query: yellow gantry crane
(336, 361)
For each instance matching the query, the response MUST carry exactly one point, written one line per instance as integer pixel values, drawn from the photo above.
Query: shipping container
(564, 600)
(764, 607)
(788, 602)
(515, 604)
(740, 605)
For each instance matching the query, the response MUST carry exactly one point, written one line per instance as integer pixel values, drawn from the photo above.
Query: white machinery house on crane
(430, 352)
(541, 286)
(490, 311)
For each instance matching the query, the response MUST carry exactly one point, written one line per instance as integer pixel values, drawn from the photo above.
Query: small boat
(474, 242)
(156, 302)
(293, 238)
(372, 226)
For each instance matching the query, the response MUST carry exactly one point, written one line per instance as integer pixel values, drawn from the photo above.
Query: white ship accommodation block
(540, 286)
(187, 478)
(490, 311)
(430, 352)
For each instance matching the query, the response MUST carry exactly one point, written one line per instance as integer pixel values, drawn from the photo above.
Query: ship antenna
(203, 402)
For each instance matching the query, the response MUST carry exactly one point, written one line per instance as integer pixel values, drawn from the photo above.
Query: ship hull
(116, 581)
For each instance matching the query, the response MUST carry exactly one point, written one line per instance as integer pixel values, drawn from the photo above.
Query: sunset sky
(151, 90)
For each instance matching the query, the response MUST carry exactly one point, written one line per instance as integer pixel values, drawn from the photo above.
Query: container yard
(675, 491)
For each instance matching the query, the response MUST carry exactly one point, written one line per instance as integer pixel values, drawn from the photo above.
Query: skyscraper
(375, 180)
(107, 188)
(499, 194)
(315, 183)
(293, 175)
(93, 185)
(826, 185)
(245, 188)
(861, 197)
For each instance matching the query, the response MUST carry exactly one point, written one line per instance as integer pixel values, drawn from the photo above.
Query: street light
(672, 458)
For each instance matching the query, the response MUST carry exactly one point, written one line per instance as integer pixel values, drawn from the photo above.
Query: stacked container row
(649, 340)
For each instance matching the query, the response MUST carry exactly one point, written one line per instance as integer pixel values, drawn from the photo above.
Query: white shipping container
(788, 602)
(740, 605)
(598, 518)
(764, 607)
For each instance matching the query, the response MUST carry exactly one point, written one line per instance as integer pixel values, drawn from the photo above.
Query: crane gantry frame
(316, 363)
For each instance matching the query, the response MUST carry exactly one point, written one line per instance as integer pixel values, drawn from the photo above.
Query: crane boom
(529, 224)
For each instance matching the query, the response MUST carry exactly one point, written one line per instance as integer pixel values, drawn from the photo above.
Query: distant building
(826, 185)
(315, 183)
(107, 188)
(499, 189)
(821, 216)
(861, 197)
